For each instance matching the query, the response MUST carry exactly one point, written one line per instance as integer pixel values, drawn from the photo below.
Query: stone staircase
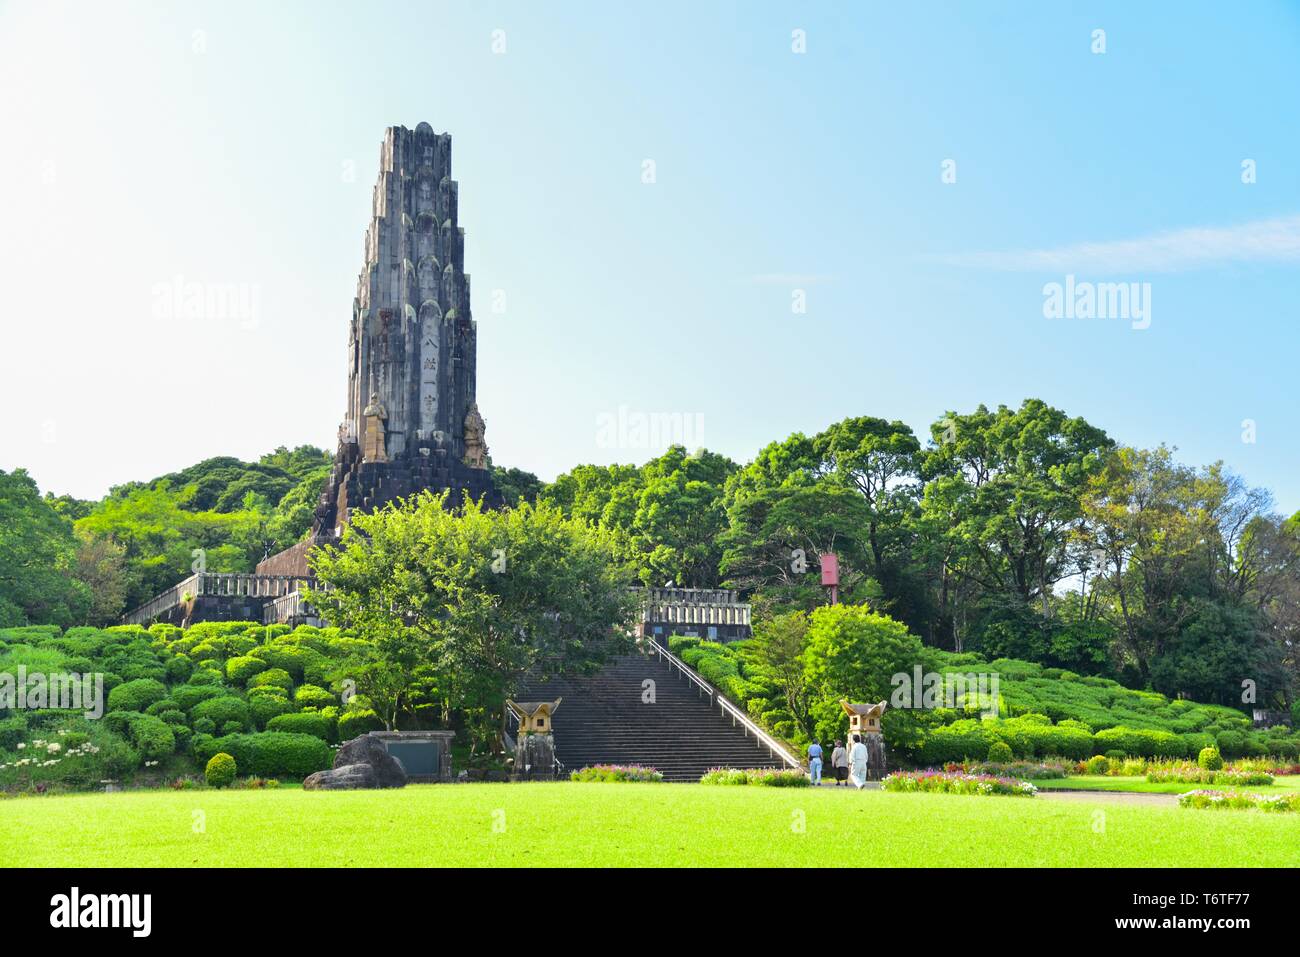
(603, 720)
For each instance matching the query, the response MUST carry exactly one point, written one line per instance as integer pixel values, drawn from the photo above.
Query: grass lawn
(624, 825)
(1100, 782)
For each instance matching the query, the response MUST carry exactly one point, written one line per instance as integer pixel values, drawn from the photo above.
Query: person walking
(858, 763)
(840, 763)
(815, 763)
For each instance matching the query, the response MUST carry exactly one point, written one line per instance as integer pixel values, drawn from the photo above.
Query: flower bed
(954, 782)
(1240, 801)
(763, 777)
(617, 774)
(1013, 769)
(1191, 774)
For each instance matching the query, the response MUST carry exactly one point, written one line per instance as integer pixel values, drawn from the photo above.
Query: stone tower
(412, 421)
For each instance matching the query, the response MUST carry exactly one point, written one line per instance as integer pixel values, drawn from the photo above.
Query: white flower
(21, 745)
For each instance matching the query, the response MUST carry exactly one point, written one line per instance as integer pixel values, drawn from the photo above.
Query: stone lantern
(535, 742)
(864, 720)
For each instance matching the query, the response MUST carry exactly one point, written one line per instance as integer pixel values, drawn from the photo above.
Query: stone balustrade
(681, 613)
(216, 584)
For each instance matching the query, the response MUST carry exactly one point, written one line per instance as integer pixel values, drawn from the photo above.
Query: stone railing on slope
(215, 584)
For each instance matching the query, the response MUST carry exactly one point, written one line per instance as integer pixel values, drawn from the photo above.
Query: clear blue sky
(235, 144)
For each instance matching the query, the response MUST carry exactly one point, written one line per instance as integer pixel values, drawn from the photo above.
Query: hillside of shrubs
(268, 696)
(1042, 711)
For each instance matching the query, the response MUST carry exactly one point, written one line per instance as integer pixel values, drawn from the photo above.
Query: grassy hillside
(1041, 712)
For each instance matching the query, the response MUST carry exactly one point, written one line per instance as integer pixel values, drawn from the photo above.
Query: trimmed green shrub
(12, 730)
(179, 669)
(1231, 744)
(313, 696)
(136, 695)
(1210, 759)
(1000, 752)
(120, 721)
(187, 696)
(267, 706)
(305, 722)
(275, 676)
(291, 659)
(678, 644)
(220, 770)
(153, 736)
(965, 740)
(1098, 764)
(357, 722)
(239, 670)
(223, 709)
(1139, 742)
(271, 753)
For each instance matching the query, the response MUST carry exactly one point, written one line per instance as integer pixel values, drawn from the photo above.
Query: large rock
(346, 778)
(363, 762)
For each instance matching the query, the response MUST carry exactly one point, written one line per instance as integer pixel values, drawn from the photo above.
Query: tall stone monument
(412, 419)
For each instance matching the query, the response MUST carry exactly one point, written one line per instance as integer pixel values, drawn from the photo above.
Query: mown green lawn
(1097, 782)
(624, 825)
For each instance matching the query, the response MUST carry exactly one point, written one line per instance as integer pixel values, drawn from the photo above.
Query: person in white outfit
(858, 763)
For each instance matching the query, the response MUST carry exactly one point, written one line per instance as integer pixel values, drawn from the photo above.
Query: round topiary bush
(1210, 759)
(273, 676)
(307, 722)
(999, 752)
(359, 721)
(1231, 743)
(136, 695)
(153, 736)
(220, 771)
(223, 709)
(313, 696)
(1098, 764)
(1116, 755)
(239, 670)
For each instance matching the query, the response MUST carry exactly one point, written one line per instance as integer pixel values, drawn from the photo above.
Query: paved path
(1112, 797)
(1096, 797)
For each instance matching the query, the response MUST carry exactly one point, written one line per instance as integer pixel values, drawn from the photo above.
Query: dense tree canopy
(1015, 532)
(666, 516)
(479, 598)
(37, 558)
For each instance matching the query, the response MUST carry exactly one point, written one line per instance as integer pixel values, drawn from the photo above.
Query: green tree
(101, 565)
(516, 484)
(853, 652)
(665, 517)
(1004, 490)
(37, 559)
(497, 595)
(776, 654)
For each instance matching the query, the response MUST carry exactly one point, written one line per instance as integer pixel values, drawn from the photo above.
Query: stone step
(603, 720)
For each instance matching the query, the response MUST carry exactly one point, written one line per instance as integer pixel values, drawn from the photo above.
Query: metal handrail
(715, 695)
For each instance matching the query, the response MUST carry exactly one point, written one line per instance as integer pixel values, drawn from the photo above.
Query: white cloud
(1266, 240)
